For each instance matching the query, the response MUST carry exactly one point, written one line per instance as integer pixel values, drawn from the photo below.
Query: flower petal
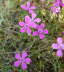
(21, 23)
(35, 33)
(56, 4)
(45, 31)
(33, 15)
(55, 46)
(62, 46)
(31, 11)
(42, 25)
(59, 53)
(33, 7)
(27, 19)
(24, 54)
(22, 30)
(58, 0)
(37, 20)
(28, 31)
(33, 25)
(59, 40)
(28, 4)
(28, 60)
(55, 9)
(17, 56)
(24, 66)
(16, 64)
(24, 7)
(41, 36)
(62, 4)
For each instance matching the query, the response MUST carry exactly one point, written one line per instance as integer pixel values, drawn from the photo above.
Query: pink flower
(60, 2)
(40, 31)
(28, 7)
(27, 25)
(22, 60)
(34, 19)
(57, 6)
(59, 46)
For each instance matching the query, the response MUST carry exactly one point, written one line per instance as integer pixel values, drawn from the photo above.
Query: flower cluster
(57, 6)
(22, 60)
(59, 46)
(32, 22)
(28, 8)
(38, 30)
(26, 26)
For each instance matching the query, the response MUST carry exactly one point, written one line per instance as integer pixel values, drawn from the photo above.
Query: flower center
(22, 60)
(25, 25)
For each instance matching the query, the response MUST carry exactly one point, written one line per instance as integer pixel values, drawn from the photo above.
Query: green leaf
(10, 3)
